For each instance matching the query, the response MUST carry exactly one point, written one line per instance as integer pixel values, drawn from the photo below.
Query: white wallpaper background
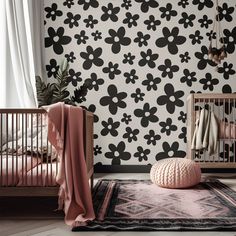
(156, 51)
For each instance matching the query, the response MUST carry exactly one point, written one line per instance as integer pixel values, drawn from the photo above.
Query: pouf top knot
(175, 173)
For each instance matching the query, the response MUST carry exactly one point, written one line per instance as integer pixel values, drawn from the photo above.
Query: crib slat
(41, 124)
(37, 148)
(47, 162)
(26, 154)
(32, 130)
(12, 133)
(1, 120)
(17, 143)
(7, 148)
(234, 131)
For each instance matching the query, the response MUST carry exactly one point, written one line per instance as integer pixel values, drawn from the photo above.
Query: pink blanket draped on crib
(65, 132)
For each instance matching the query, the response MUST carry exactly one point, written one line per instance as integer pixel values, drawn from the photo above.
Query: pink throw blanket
(65, 132)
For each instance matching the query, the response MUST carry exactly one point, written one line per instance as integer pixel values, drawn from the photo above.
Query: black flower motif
(131, 135)
(72, 20)
(171, 39)
(187, 20)
(183, 135)
(230, 39)
(94, 82)
(171, 99)
(117, 39)
(81, 38)
(110, 13)
(152, 23)
(167, 126)
(182, 116)
(142, 154)
(183, 3)
(110, 127)
(138, 95)
(196, 37)
(112, 70)
(227, 105)
(126, 4)
(225, 12)
(147, 114)
(226, 70)
(205, 22)
(128, 58)
(57, 39)
(168, 69)
(148, 58)
(68, 3)
(188, 78)
(114, 100)
(97, 150)
(53, 12)
(170, 151)
(70, 57)
(185, 57)
(167, 12)
(203, 3)
(90, 22)
(131, 77)
(211, 35)
(151, 82)
(97, 35)
(88, 3)
(145, 4)
(131, 20)
(152, 137)
(126, 118)
(91, 57)
(203, 58)
(52, 69)
(117, 153)
(142, 39)
(208, 82)
(74, 77)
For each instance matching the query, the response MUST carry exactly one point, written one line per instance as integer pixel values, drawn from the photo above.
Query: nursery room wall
(142, 59)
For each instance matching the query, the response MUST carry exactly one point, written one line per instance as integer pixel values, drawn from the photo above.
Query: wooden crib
(28, 162)
(224, 108)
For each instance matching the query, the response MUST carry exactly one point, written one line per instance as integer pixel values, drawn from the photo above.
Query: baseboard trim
(147, 168)
(122, 168)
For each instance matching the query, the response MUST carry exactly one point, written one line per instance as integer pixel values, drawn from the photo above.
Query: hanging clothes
(206, 132)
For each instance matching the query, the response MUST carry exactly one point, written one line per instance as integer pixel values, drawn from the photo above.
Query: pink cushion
(175, 173)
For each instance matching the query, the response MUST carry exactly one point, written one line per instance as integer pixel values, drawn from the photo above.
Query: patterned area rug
(140, 205)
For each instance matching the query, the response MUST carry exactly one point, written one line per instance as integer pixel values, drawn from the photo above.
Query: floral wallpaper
(141, 59)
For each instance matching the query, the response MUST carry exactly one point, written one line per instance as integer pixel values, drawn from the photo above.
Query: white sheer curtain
(19, 60)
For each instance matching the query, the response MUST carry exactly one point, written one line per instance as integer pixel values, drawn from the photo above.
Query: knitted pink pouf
(175, 173)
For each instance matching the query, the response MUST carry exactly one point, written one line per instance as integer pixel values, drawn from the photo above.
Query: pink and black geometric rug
(132, 205)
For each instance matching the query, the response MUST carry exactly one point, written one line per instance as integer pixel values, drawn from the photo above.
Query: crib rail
(26, 156)
(224, 108)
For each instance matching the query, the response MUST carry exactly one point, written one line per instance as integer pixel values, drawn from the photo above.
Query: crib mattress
(26, 171)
